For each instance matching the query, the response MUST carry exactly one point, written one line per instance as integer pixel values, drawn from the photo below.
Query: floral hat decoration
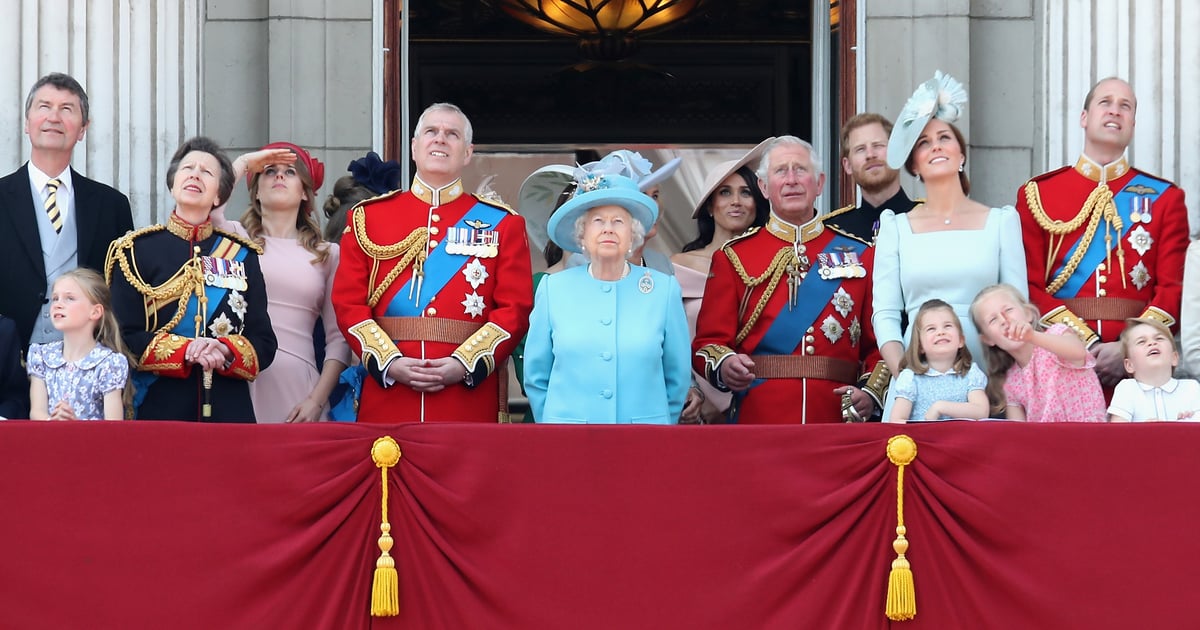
(607, 182)
(941, 97)
(374, 174)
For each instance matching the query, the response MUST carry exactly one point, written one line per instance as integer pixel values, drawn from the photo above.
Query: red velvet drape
(172, 525)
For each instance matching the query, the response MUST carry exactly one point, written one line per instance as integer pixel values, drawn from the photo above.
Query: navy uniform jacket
(150, 271)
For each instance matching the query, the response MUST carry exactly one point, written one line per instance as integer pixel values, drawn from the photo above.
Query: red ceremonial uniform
(762, 277)
(1137, 221)
(464, 263)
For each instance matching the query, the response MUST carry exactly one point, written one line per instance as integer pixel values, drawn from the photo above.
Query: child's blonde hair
(999, 361)
(1149, 321)
(107, 331)
(914, 355)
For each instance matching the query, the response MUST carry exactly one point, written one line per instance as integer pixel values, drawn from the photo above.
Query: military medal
(1141, 240)
(1141, 209)
(854, 268)
(646, 283)
(842, 302)
(473, 304)
(224, 273)
(475, 273)
(832, 329)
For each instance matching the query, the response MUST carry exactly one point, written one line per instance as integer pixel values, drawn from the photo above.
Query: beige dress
(692, 282)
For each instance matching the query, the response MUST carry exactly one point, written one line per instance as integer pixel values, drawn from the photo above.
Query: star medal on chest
(646, 283)
(224, 273)
(475, 273)
(1140, 240)
(473, 305)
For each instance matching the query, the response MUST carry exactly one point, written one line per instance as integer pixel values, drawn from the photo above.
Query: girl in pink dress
(1034, 375)
(298, 267)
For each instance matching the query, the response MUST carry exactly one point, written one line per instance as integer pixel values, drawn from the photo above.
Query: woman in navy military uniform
(191, 300)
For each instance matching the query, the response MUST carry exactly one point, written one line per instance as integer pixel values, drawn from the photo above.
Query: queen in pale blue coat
(608, 341)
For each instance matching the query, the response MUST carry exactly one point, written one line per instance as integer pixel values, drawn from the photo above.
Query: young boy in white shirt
(1153, 394)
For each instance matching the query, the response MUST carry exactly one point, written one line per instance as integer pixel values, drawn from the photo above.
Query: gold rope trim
(1099, 204)
(179, 288)
(413, 247)
(774, 271)
(385, 588)
(901, 596)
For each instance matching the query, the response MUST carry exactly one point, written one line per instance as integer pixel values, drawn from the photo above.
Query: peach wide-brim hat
(722, 171)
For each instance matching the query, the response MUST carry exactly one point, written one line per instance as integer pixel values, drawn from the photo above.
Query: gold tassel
(385, 589)
(901, 595)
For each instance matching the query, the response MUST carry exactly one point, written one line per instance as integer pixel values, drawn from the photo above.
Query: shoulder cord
(774, 271)
(1099, 204)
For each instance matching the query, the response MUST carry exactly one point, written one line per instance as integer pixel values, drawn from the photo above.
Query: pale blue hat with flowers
(941, 97)
(612, 181)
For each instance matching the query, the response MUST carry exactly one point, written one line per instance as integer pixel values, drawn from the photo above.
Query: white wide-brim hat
(941, 97)
(596, 191)
(722, 171)
(539, 194)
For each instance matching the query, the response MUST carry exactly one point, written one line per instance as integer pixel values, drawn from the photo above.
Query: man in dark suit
(52, 219)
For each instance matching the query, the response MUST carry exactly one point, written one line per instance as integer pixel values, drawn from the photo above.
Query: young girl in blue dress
(84, 376)
(938, 380)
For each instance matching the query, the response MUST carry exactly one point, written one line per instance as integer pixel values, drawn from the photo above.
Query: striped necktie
(52, 205)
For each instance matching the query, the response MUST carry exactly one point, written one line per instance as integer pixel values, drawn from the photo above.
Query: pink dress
(1052, 391)
(297, 293)
(692, 283)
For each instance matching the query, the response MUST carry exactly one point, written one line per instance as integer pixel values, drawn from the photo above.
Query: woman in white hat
(731, 204)
(608, 341)
(951, 246)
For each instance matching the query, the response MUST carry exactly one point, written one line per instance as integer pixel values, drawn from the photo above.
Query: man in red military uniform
(786, 316)
(434, 288)
(1104, 241)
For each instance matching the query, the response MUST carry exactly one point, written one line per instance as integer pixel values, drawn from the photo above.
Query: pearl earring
(962, 165)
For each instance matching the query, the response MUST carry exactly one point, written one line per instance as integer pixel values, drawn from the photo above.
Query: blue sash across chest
(1097, 251)
(441, 265)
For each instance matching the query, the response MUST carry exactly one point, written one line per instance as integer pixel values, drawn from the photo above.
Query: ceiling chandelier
(606, 29)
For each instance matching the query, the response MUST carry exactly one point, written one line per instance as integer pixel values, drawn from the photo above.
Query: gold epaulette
(369, 200)
(239, 239)
(495, 203)
(849, 235)
(842, 210)
(123, 243)
(747, 234)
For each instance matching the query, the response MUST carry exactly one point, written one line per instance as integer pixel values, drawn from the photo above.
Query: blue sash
(1096, 251)
(790, 326)
(186, 326)
(441, 265)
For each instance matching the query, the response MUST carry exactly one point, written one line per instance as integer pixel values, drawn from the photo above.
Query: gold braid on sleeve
(413, 250)
(773, 272)
(1099, 205)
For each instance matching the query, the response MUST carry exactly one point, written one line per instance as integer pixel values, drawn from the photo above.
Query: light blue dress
(951, 265)
(607, 352)
(925, 389)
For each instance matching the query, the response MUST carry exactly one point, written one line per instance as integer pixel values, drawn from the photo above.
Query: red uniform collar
(188, 232)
